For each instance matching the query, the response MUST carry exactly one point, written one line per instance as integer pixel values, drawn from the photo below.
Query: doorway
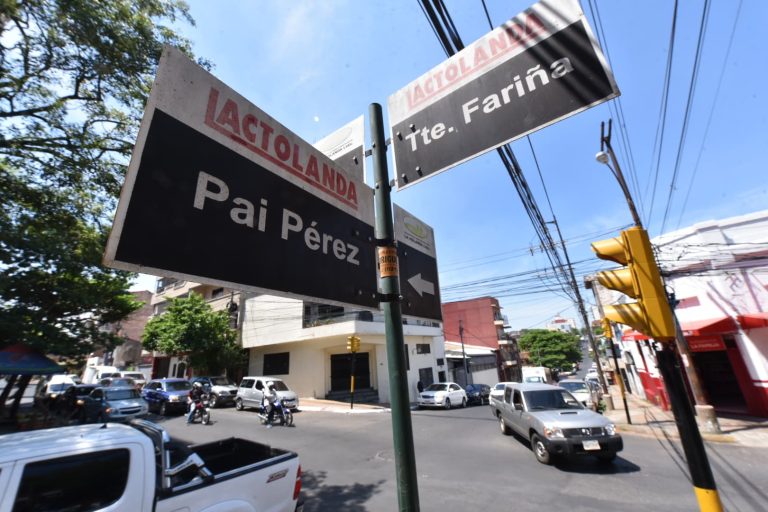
(719, 381)
(341, 371)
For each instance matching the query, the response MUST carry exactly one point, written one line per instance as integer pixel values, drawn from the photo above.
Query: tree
(190, 327)
(553, 349)
(74, 78)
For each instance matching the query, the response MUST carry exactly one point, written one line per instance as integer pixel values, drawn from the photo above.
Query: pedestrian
(420, 386)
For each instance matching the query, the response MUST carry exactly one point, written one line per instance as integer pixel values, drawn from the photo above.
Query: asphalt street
(465, 463)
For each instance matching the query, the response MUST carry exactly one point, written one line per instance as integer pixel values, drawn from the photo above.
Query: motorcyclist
(195, 396)
(270, 397)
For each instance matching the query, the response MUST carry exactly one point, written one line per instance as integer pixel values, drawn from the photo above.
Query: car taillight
(297, 486)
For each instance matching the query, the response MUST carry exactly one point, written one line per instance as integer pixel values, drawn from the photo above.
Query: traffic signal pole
(653, 315)
(402, 429)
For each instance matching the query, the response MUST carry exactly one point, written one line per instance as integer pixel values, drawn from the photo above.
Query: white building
(562, 324)
(305, 344)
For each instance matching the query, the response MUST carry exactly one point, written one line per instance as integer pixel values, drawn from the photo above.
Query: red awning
(753, 320)
(633, 336)
(720, 325)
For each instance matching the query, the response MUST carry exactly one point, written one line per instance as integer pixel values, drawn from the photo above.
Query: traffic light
(353, 344)
(640, 279)
(607, 331)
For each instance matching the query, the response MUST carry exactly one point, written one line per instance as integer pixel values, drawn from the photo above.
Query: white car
(582, 391)
(442, 394)
(497, 394)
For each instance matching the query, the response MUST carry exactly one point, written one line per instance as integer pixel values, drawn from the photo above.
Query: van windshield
(280, 386)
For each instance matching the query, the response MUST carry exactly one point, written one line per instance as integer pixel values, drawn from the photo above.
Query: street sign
(418, 266)
(219, 192)
(345, 146)
(538, 68)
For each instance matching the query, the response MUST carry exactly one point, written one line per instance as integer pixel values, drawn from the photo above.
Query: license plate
(591, 445)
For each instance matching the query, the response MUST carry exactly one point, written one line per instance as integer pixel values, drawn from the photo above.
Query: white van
(50, 387)
(93, 374)
(537, 375)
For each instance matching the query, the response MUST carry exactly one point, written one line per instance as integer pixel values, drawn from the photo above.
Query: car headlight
(610, 429)
(80, 402)
(173, 398)
(553, 432)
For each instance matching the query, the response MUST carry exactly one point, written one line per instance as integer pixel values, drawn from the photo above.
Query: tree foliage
(190, 327)
(553, 349)
(74, 77)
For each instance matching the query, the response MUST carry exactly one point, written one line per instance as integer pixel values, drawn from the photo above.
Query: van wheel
(163, 409)
(447, 403)
(238, 404)
(213, 400)
(463, 402)
(540, 450)
(504, 428)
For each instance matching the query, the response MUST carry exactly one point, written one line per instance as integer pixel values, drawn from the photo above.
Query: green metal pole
(402, 430)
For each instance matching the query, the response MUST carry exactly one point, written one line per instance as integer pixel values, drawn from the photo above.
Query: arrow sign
(422, 286)
(417, 255)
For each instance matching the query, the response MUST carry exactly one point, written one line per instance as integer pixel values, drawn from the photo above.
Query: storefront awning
(720, 325)
(753, 320)
(633, 336)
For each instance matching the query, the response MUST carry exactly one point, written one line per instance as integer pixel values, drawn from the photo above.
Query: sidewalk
(649, 419)
(317, 404)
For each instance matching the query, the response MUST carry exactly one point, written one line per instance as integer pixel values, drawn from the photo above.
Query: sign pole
(352, 383)
(402, 429)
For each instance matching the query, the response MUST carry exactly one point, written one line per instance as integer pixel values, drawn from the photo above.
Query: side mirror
(518, 407)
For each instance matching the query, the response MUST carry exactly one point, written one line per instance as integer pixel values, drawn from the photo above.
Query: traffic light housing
(353, 344)
(607, 331)
(640, 279)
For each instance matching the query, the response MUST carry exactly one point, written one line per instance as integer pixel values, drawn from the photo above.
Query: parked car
(70, 403)
(478, 393)
(137, 377)
(556, 423)
(250, 393)
(114, 404)
(442, 394)
(583, 392)
(223, 390)
(117, 382)
(49, 388)
(497, 393)
(167, 395)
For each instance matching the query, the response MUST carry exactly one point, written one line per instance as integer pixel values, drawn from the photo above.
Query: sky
(314, 66)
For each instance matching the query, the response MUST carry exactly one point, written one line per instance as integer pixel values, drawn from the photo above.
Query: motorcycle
(202, 409)
(282, 414)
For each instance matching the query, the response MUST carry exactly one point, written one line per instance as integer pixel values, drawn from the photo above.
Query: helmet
(198, 384)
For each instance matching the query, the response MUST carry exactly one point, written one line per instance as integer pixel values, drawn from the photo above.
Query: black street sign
(419, 284)
(538, 68)
(218, 192)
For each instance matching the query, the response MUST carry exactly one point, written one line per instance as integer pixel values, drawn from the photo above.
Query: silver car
(583, 392)
(115, 404)
(556, 423)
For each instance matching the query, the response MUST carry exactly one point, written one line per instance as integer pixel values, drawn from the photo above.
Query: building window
(321, 314)
(276, 364)
(423, 348)
(440, 361)
(217, 292)
(102, 476)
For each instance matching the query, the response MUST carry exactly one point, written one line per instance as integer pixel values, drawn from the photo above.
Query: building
(566, 325)
(718, 272)
(479, 323)
(128, 354)
(305, 343)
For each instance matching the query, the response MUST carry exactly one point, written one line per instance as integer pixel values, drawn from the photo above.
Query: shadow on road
(320, 497)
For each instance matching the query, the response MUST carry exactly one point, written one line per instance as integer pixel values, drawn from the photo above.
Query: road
(465, 463)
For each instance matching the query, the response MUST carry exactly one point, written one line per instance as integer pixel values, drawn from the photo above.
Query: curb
(645, 430)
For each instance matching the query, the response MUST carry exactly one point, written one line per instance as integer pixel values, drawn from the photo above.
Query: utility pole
(582, 310)
(463, 353)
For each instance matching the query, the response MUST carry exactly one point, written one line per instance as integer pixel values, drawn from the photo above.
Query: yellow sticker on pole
(388, 262)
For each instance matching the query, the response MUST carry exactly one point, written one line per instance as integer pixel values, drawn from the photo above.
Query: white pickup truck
(138, 468)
